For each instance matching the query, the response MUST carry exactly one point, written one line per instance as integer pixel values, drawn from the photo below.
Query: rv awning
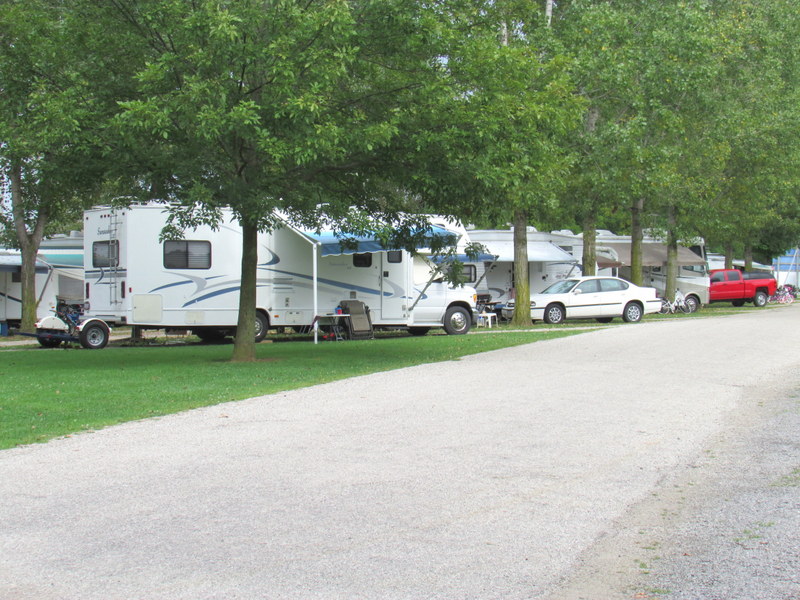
(481, 257)
(332, 245)
(13, 263)
(537, 252)
(654, 254)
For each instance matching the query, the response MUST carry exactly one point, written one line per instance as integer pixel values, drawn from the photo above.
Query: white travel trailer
(59, 278)
(692, 277)
(133, 278)
(547, 263)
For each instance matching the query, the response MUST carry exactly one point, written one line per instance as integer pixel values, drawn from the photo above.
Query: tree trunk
(672, 255)
(522, 285)
(637, 235)
(590, 244)
(29, 243)
(748, 257)
(728, 256)
(244, 345)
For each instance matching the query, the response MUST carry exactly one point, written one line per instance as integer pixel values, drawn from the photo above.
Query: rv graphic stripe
(333, 283)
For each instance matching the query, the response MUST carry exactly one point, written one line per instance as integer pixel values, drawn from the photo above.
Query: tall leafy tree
(56, 97)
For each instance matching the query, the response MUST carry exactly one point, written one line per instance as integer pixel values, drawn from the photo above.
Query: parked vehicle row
(601, 298)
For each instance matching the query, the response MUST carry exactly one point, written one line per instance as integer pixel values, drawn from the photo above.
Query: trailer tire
(418, 330)
(760, 299)
(737, 303)
(49, 342)
(262, 326)
(457, 320)
(604, 319)
(94, 336)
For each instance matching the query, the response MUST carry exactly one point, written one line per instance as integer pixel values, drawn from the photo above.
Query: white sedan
(601, 298)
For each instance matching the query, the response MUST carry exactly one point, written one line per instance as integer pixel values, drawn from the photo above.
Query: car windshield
(561, 287)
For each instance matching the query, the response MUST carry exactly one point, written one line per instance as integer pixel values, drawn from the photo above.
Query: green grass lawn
(46, 393)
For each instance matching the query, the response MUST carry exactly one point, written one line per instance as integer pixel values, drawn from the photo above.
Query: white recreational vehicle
(134, 279)
(494, 276)
(59, 278)
(692, 277)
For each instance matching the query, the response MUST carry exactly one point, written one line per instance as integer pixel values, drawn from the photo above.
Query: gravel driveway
(641, 461)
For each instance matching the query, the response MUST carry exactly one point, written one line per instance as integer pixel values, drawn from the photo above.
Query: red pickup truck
(731, 285)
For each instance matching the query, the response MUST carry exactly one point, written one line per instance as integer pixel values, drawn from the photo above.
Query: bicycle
(676, 306)
(782, 296)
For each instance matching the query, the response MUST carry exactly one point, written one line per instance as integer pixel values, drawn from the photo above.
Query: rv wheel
(456, 320)
(418, 330)
(692, 303)
(94, 336)
(209, 336)
(262, 326)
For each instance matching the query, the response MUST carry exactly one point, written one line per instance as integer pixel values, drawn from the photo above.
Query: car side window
(717, 277)
(588, 287)
(734, 276)
(612, 285)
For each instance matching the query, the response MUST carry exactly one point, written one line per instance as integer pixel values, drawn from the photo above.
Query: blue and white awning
(333, 244)
(13, 263)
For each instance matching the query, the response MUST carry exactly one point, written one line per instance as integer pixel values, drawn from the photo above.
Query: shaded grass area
(46, 393)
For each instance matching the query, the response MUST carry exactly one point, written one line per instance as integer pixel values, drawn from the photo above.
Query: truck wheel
(554, 314)
(457, 320)
(692, 303)
(94, 336)
(418, 330)
(760, 299)
(262, 326)
(632, 312)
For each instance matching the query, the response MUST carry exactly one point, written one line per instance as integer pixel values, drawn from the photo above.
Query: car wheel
(632, 312)
(760, 299)
(604, 319)
(94, 336)
(554, 314)
(457, 320)
(692, 303)
(418, 330)
(262, 326)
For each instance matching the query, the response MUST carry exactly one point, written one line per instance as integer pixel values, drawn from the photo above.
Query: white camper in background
(692, 279)
(547, 263)
(132, 278)
(59, 278)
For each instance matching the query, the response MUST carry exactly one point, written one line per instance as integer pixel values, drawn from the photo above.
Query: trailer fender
(87, 322)
(51, 323)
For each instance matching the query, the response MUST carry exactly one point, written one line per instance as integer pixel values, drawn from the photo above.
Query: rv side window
(185, 254)
(394, 256)
(362, 260)
(470, 273)
(105, 254)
